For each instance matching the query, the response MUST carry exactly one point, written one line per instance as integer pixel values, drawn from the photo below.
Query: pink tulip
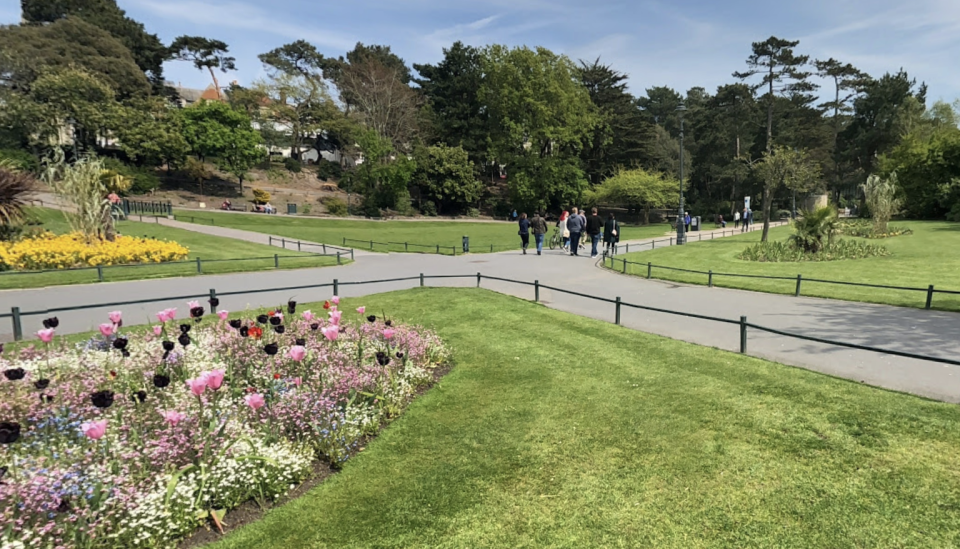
(197, 385)
(115, 317)
(335, 300)
(173, 417)
(297, 352)
(335, 317)
(157, 330)
(388, 333)
(223, 314)
(254, 400)
(167, 314)
(361, 310)
(46, 336)
(298, 381)
(308, 316)
(193, 304)
(107, 329)
(214, 378)
(94, 429)
(331, 333)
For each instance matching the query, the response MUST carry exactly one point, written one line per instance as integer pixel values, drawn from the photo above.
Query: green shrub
(864, 228)
(307, 208)
(329, 171)
(815, 229)
(22, 159)
(472, 212)
(784, 252)
(144, 179)
(260, 196)
(429, 209)
(336, 206)
(954, 214)
(292, 164)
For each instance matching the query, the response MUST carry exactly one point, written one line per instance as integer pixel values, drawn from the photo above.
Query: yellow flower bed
(50, 251)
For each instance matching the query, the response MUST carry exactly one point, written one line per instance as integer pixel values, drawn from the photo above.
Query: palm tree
(814, 227)
(16, 187)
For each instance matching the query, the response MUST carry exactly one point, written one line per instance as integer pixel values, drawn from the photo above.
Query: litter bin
(291, 209)
(466, 244)
(695, 223)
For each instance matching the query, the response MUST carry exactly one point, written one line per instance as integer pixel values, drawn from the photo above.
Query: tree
(383, 101)
(72, 98)
(300, 57)
(540, 116)
(215, 129)
(360, 55)
(150, 132)
(659, 107)
(382, 177)
(637, 189)
(780, 71)
(204, 53)
(882, 201)
(926, 163)
(446, 176)
(784, 168)
(848, 83)
(815, 227)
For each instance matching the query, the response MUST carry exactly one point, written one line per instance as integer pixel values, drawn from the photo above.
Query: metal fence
(283, 242)
(17, 313)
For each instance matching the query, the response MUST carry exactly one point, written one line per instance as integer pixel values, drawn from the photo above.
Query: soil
(252, 511)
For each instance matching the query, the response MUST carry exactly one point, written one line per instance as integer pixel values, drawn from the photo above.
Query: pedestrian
(594, 225)
(749, 219)
(746, 221)
(539, 227)
(562, 225)
(513, 215)
(686, 220)
(736, 220)
(524, 232)
(575, 225)
(611, 235)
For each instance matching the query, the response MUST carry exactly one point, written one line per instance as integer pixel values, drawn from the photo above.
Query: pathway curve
(927, 332)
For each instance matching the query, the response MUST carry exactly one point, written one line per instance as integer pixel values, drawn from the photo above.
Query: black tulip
(41, 383)
(120, 343)
(139, 396)
(64, 506)
(102, 399)
(9, 432)
(168, 346)
(197, 312)
(279, 310)
(51, 322)
(388, 323)
(1, 347)
(300, 341)
(382, 358)
(45, 399)
(235, 324)
(275, 320)
(184, 339)
(184, 328)
(271, 349)
(280, 329)
(291, 307)
(262, 319)
(400, 355)
(14, 374)
(124, 353)
(160, 381)
(372, 318)
(3, 471)
(314, 326)
(214, 302)
(244, 332)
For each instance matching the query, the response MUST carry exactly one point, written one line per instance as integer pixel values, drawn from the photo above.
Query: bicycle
(556, 239)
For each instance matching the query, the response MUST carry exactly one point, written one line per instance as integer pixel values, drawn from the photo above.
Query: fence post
(653, 244)
(628, 248)
(100, 273)
(338, 259)
(421, 280)
(671, 241)
(213, 297)
(351, 254)
(344, 241)
(324, 249)
(438, 249)
(276, 261)
(536, 291)
(269, 241)
(743, 335)
(336, 287)
(649, 270)
(710, 279)
(406, 246)
(478, 280)
(371, 245)
(199, 267)
(799, 279)
(17, 326)
(284, 243)
(298, 246)
(491, 248)
(624, 266)
(930, 296)
(618, 311)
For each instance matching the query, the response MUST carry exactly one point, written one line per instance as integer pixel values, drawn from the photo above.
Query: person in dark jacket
(594, 226)
(539, 227)
(611, 235)
(524, 232)
(575, 225)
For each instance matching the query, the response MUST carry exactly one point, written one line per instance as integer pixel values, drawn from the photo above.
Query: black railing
(693, 236)
(141, 207)
(17, 314)
(799, 279)
(300, 245)
(194, 219)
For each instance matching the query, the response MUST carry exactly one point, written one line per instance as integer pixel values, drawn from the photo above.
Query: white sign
(746, 202)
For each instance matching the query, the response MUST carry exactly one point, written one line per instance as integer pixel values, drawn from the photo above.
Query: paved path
(914, 330)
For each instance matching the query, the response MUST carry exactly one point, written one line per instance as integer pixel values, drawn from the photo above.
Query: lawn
(211, 250)
(928, 256)
(447, 234)
(559, 431)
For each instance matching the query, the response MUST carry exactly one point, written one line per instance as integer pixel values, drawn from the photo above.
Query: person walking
(594, 225)
(686, 220)
(746, 221)
(736, 220)
(524, 232)
(539, 227)
(564, 232)
(575, 225)
(749, 219)
(611, 235)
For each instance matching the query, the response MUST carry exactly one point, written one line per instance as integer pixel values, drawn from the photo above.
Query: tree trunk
(767, 202)
(646, 215)
(770, 114)
(216, 84)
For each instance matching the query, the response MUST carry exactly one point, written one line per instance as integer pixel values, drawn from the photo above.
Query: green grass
(448, 234)
(928, 256)
(254, 257)
(559, 431)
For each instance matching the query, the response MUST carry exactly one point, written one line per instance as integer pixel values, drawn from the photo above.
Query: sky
(679, 43)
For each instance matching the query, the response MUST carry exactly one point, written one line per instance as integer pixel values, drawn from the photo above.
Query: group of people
(743, 222)
(573, 226)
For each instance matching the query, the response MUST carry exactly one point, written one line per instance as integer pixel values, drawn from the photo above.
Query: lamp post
(681, 235)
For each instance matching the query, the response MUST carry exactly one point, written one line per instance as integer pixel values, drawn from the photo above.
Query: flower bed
(50, 251)
(782, 252)
(129, 441)
(864, 228)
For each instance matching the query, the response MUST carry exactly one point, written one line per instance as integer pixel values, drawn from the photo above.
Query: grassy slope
(560, 431)
(445, 233)
(929, 256)
(203, 246)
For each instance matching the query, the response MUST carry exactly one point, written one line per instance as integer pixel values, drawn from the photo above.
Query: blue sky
(680, 43)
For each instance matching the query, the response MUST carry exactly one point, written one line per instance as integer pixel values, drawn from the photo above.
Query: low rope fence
(17, 314)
